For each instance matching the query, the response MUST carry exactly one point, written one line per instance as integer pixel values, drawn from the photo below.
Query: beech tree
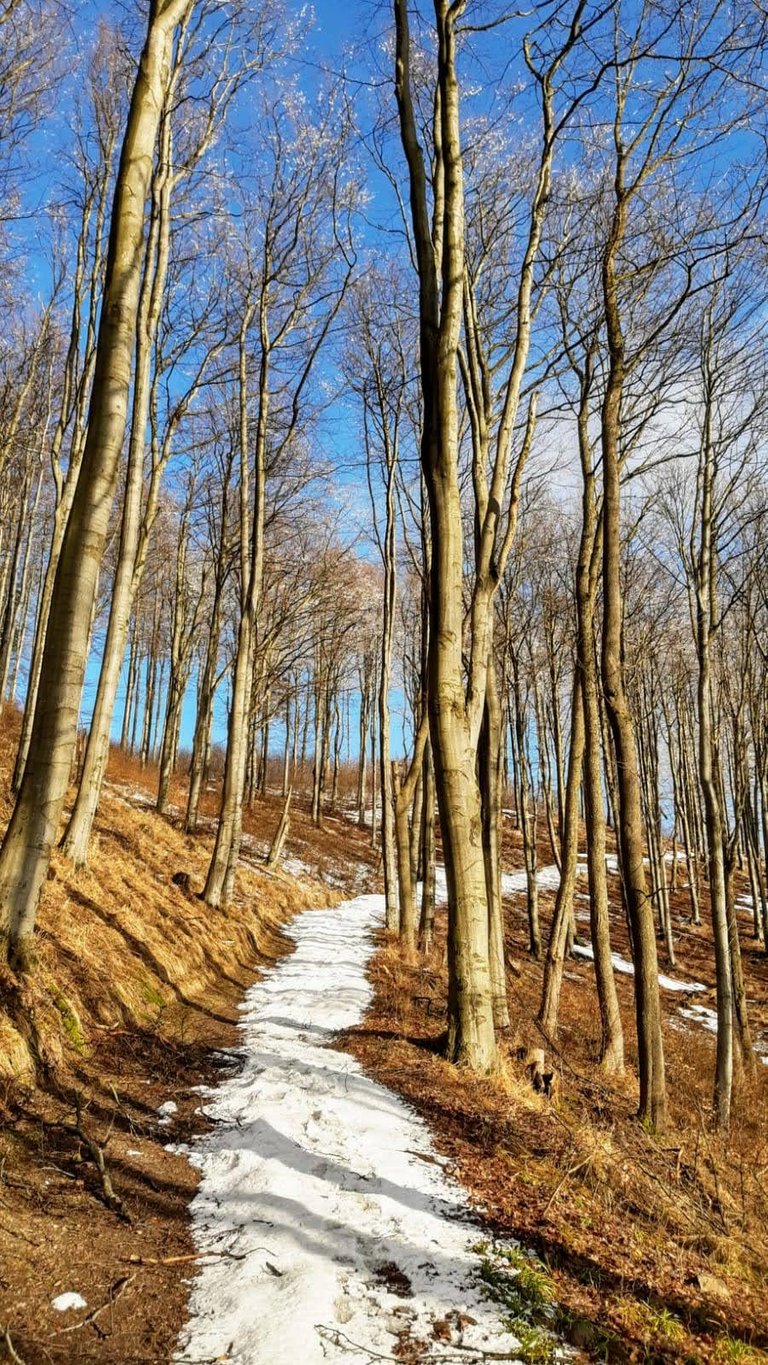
(290, 291)
(97, 142)
(500, 443)
(26, 848)
(378, 328)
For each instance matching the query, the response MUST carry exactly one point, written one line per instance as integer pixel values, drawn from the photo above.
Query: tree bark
(130, 562)
(26, 849)
(653, 1096)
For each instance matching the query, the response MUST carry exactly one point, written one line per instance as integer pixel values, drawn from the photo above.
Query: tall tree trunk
(76, 388)
(653, 1094)
(490, 787)
(130, 688)
(206, 689)
(526, 806)
(287, 744)
(26, 849)
(427, 917)
(219, 885)
(587, 578)
(563, 912)
(130, 561)
(386, 788)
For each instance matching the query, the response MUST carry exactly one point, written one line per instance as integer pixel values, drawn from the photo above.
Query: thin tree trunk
(653, 1095)
(563, 912)
(427, 918)
(281, 833)
(490, 787)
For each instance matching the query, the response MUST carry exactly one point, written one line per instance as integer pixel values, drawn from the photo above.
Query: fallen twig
(76, 1129)
(10, 1348)
(195, 1256)
(168, 1260)
(572, 1170)
(115, 1290)
(339, 1338)
(455, 1351)
(16, 1232)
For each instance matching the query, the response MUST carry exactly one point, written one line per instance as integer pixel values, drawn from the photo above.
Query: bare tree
(26, 849)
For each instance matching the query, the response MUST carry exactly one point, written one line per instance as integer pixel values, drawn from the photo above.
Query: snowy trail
(340, 1227)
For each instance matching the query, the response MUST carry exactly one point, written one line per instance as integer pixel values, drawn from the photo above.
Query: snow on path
(338, 1226)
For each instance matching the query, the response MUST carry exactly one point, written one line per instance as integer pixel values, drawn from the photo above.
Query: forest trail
(336, 1234)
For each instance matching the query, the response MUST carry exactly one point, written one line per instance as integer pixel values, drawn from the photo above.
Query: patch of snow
(673, 983)
(512, 883)
(295, 867)
(166, 1112)
(668, 983)
(133, 1151)
(64, 1302)
(335, 1225)
(707, 1018)
(132, 796)
(702, 1015)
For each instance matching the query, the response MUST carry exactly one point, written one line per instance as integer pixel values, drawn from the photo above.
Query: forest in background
(505, 277)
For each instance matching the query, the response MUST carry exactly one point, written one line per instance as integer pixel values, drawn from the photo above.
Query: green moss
(70, 1019)
(151, 995)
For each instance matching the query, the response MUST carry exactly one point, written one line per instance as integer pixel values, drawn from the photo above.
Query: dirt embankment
(136, 988)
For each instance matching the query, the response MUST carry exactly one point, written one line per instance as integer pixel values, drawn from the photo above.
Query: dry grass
(120, 946)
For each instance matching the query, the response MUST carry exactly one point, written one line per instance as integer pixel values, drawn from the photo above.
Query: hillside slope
(136, 988)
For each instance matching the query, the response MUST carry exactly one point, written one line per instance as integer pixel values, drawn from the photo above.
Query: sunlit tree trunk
(77, 837)
(219, 885)
(26, 849)
(76, 387)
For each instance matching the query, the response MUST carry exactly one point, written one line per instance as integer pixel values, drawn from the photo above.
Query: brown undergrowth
(656, 1247)
(135, 990)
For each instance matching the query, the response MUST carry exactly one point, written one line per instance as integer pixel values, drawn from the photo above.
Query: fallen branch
(195, 1256)
(454, 1352)
(10, 1348)
(111, 1199)
(572, 1170)
(339, 1338)
(16, 1232)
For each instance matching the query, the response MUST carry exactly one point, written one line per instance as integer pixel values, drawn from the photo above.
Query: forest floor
(333, 1217)
(132, 1006)
(655, 1248)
